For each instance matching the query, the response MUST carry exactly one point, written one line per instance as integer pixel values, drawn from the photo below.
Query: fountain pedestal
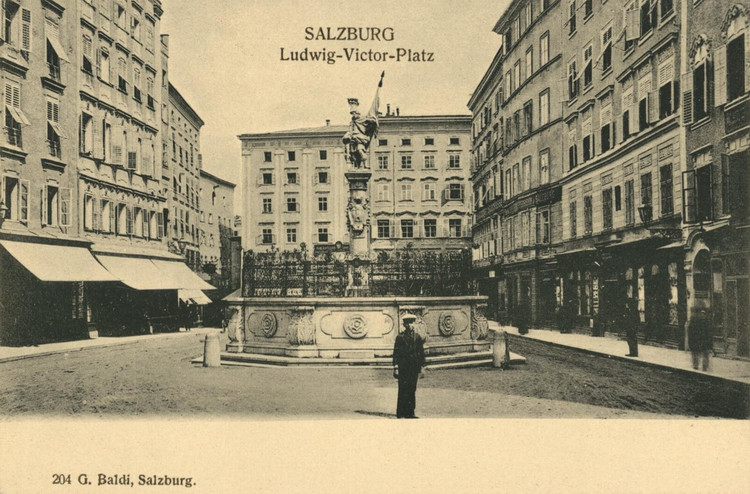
(358, 223)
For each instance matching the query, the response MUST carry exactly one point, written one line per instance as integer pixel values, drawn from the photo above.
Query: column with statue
(362, 130)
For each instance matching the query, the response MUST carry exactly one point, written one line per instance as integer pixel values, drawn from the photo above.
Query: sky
(225, 59)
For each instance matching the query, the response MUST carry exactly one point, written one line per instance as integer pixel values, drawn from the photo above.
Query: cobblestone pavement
(155, 377)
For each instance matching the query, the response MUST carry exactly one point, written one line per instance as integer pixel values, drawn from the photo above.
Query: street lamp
(646, 213)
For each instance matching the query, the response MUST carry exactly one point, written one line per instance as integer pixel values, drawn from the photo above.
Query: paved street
(156, 377)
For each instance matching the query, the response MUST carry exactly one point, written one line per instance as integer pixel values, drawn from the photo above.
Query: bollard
(500, 352)
(211, 351)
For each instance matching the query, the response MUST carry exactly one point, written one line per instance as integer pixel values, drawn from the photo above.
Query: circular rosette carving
(268, 325)
(355, 326)
(447, 324)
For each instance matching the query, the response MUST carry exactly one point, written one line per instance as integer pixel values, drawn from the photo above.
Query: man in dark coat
(408, 360)
(700, 336)
(630, 320)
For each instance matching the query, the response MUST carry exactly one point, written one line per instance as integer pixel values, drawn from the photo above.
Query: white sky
(225, 60)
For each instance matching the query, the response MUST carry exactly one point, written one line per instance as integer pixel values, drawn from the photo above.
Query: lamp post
(646, 213)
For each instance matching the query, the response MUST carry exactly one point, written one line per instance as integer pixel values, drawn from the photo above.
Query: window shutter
(2, 24)
(145, 215)
(720, 75)
(81, 143)
(43, 207)
(653, 107)
(23, 201)
(65, 212)
(97, 214)
(159, 225)
(666, 72)
(128, 220)
(688, 196)
(112, 218)
(687, 98)
(97, 131)
(26, 30)
(99, 63)
(117, 145)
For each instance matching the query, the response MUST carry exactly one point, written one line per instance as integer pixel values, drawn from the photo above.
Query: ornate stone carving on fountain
(301, 326)
(479, 327)
(355, 326)
(447, 323)
(268, 325)
(235, 324)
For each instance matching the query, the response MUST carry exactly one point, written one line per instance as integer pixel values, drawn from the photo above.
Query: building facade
(186, 162)
(216, 228)
(295, 190)
(84, 213)
(716, 178)
(517, 132)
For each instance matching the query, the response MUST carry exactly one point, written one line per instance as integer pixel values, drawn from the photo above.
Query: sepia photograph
(239, 240)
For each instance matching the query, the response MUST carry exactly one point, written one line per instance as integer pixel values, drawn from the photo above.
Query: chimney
(388, 110)
(328, 122)
(398, 112)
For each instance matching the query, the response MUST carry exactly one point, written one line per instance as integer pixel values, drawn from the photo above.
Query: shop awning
(193, 296)
(137, 272)
(57, 262)
(181, 275)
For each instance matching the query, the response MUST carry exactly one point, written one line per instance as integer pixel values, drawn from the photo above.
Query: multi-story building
(622, 167)
(716, 178)
(518, 161)
(79, 172)
(216, 228)
(420, 192)
(295, 190)
(185, 165)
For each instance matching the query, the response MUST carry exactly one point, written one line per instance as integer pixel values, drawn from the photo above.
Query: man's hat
(408, 317)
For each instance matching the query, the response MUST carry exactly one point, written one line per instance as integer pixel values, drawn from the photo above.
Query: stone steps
(448, 361)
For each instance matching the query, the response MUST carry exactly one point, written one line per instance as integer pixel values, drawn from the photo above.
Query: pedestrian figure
(630, 322)
(186, 316)
(700, 336)
(523, 316)
(408, 360)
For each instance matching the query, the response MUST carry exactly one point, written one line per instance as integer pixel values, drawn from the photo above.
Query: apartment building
(84, 213)
(716, 180)
(186, 162)
(295, 190)
(420, 192)
(216, 228)
(517, 131)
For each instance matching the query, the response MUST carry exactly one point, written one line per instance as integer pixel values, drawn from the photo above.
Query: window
(528, 116)
(138, 222)
(384, 228)
(701, 84)
(667, 8)
(14, 116)
(667, 89)
(573, 220)
(384, 193)
(631, 21)
(544, 107)
(529, 62)
(291, 205)
(588, 138)
(526, 171)
(322, 203)
(454, 161)
(629, 203)
(571, 18)
(137, 84)
(86, 134)
(291, 155)
(323, 178)
(323, 234)
(454, 227)
(16, 198)
(606, 133)
(87, 64)
(382, 162)
(517, 74)
(429, 161)
(291, 235)
(54, 131)
(406, 142)
(406, 192)
(107, 216)
(267, 156)
(406, 162)
(627, 112)
(606, 55)
(542, 227)
(103, 65)
(120, 16)
(150, 93)
(736, 181)
(122, 81)
(323, 154)
(544, 49)
(407, 228)
(429, 192)
(735, 67)
(544, 167)
(588, 215)
(618, 198)
(588, 8)
(644, 90)
(648, 16)
(456, 192)
(267, 236)
(646, 192)
(267, 205)
(429, 141)
(573, 81)
(665, 188)
(517, 179)
(291, 178)
(430, 228)
(588, 66)
(267, 178)
(382, 142)
(607, 208)
(509, 184)
(55, 50)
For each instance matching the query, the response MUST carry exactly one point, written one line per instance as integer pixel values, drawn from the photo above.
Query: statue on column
(362, 130)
